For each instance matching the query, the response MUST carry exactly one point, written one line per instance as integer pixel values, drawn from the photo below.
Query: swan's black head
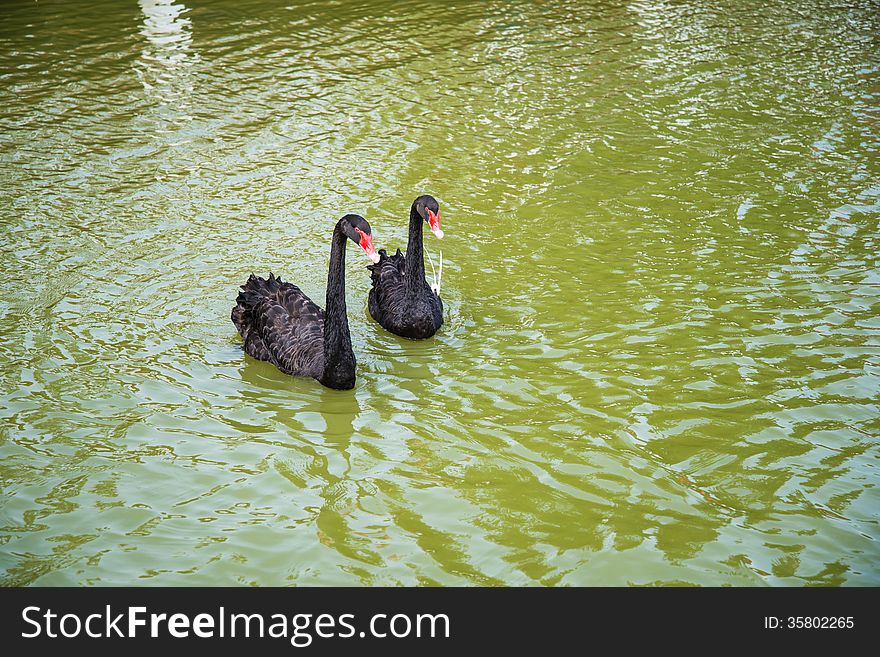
(429, 210)
(356, 228)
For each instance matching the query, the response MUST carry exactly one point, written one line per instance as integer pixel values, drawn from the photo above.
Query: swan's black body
(401, 299)
(280, 324)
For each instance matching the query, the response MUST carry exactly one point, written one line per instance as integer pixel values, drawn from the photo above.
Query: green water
(661, 356)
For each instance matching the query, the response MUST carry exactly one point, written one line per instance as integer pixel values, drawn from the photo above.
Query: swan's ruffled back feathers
(387, 278)
(280, 324)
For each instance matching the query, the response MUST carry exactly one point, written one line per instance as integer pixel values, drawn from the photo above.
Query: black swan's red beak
(434, 223)
(367, 245)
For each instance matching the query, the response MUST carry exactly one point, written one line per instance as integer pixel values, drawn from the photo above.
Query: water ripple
(660, 357)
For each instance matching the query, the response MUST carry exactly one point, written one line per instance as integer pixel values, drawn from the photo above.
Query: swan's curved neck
(339, 362)
(415, 254)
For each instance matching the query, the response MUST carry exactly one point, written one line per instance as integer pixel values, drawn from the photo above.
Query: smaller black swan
(280, 324)
(401, 299)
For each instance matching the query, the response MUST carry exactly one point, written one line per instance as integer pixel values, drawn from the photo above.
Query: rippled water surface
(661, 356)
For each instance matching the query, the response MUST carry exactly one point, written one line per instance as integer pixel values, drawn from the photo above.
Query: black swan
(280, 324)
(401, 299)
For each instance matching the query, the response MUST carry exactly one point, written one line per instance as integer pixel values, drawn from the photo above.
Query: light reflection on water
(660, 357)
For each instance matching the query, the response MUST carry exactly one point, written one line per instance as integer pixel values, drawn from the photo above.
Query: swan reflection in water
(167, 52)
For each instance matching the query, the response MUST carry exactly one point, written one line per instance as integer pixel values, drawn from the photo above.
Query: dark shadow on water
(321, 424)
(301, 404)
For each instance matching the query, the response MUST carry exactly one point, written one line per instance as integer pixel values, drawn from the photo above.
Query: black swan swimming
(280, 324)
(401, 299)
